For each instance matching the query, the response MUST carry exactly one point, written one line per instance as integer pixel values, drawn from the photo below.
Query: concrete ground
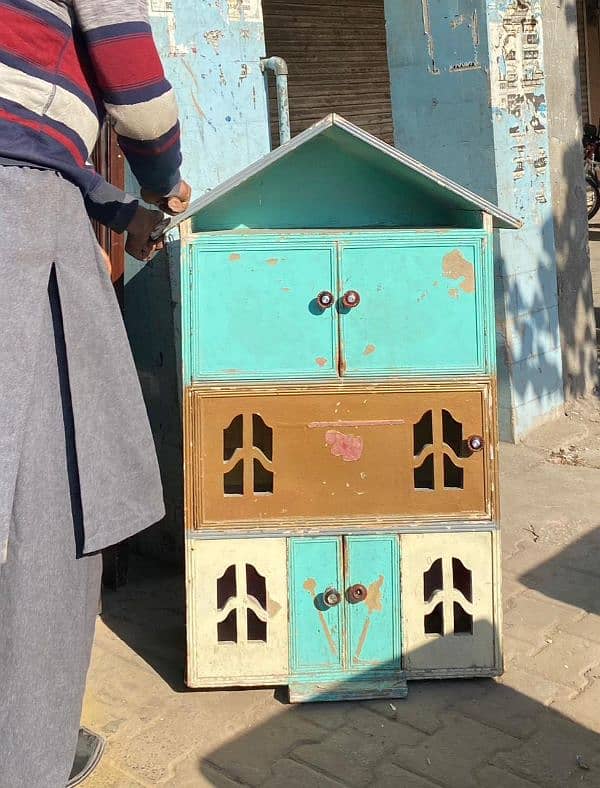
(538, 725)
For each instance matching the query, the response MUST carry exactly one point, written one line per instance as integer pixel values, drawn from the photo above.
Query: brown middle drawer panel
(298, 453)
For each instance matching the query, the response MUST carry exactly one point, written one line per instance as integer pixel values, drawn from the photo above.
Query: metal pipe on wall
(279, 67)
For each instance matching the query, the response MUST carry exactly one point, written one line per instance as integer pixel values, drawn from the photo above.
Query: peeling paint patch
(428, 35)
(234, 257)
(285, 289)
(348, 447)
(321, 362)
(453, 292)
(213, 37)
(373, 598)
(272, 261)
(273, 607)
(454, 266)
(310, 585)
(244, 10)
(368, 350)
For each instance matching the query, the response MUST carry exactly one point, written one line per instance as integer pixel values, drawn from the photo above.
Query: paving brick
(550, 756)
(108, 776)
(492, 777)
(196, 773)
(248, 757)
(530, 620)
(584, 708)
(505, 709)
(421, 710)
(196, 726)
(566, 660)
(327, 715)
(586, 627)
(516, 650)
(391, 776)
(537, 688)
(292, 774)
(351, 755)
(528, 557)
(454, 753)
(511, 587)
(565, 587)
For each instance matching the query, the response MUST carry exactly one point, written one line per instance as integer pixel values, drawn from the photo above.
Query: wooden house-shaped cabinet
(340, 423)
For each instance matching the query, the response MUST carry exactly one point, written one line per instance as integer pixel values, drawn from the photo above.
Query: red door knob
(351, 299)
(357, 593)
(325, 299)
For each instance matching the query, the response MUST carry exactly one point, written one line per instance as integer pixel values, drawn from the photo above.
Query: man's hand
(139, 244)
(177, 201)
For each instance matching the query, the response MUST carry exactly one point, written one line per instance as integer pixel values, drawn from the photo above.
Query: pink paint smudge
(348, 447)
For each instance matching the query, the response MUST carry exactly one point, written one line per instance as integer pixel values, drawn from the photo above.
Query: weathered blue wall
(468, 92)
(211, 51)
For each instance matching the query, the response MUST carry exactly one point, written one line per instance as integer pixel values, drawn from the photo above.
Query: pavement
(537, 725)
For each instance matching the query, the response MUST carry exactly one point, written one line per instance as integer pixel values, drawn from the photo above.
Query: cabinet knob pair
(350, 299)
(356, 593)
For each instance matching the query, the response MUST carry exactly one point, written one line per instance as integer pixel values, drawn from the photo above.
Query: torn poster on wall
(518, 93)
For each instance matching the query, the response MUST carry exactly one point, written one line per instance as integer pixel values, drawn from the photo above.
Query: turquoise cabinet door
(316, 629)
(424, 305)
(373, 620)
(252, 311)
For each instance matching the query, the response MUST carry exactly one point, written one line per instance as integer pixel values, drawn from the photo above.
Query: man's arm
(120, 211)
(134, 89)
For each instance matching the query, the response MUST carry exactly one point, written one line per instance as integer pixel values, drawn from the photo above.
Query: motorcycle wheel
(592, 196)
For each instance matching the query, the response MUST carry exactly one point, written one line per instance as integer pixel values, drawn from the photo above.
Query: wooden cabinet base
(343, 617)
(357, 689)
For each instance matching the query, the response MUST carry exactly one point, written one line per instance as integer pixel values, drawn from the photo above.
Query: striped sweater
(64, 64)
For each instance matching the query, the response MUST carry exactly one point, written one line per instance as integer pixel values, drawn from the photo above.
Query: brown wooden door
(331, 454)
(109, 162)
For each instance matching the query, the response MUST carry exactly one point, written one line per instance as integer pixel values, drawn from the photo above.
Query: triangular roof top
(396, 162)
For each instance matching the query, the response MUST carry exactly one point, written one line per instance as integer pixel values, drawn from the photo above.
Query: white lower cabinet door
(237, 612)
(449, 604)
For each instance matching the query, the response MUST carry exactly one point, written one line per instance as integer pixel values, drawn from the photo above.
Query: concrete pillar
(575, 295)
(469, 99)
(211, 52)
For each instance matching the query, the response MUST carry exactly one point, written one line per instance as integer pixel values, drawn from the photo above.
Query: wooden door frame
(109, 162)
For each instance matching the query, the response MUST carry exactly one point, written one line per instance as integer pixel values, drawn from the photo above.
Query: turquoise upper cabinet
(255, 313)
(424, 304)
(334, 255)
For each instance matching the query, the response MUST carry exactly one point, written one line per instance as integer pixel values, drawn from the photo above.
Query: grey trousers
(49, 593)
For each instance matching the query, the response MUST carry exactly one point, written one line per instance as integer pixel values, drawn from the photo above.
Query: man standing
(78, 470)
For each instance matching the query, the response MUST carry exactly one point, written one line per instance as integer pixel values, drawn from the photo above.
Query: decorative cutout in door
(438, 444)
(248, 456)
(448, 598)
(242, 605)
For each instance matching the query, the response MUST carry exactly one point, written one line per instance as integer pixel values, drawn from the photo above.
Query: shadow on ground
(457, 734)
(149, 615)
(573, 576)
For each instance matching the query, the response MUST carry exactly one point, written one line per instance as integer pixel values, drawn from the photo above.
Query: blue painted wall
(211, 52)
(468, 92)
